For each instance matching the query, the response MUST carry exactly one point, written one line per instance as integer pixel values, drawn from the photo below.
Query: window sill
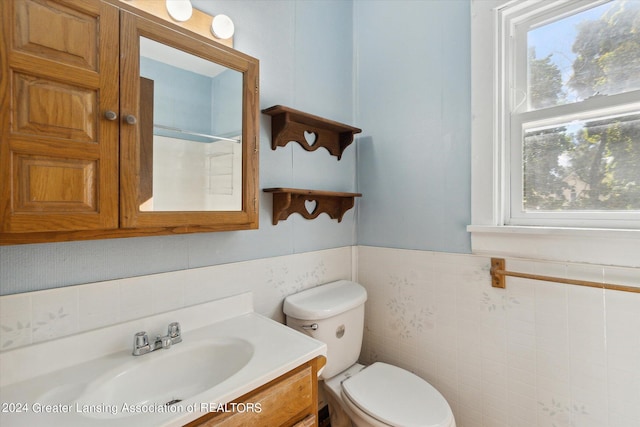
(583, 245)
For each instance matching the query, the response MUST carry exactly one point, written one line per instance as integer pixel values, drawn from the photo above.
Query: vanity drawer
(289, 400)
(310, 421)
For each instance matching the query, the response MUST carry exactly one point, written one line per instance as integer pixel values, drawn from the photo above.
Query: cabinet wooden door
(59, 115)
(289, 400)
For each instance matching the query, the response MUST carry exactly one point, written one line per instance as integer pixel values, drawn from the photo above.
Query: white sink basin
(165, 377)
(84, 380)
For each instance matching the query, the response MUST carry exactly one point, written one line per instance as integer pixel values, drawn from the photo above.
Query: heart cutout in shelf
(310, 206)
(310, 137)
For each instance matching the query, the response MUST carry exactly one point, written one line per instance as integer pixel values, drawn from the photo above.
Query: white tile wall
(533, 354)
(44, 315)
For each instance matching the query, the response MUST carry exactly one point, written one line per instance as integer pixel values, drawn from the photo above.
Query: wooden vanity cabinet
(70, 123)
(290, 400)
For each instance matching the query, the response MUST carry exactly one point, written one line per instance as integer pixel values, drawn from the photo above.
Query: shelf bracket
(310, 203)
(311, 132)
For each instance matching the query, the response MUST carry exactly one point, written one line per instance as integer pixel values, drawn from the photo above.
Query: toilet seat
(397, 397)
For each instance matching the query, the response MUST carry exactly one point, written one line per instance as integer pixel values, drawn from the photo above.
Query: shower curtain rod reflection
(188, 132)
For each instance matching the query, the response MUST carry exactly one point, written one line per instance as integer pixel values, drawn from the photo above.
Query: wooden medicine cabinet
(117, 123)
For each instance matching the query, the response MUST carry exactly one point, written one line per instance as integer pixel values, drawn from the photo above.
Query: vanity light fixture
(180, 10)
(222, 27)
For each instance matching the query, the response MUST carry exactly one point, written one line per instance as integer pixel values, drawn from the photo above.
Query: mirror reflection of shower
(191, 131)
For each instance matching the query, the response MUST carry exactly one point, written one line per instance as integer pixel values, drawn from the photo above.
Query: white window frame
(493, 231)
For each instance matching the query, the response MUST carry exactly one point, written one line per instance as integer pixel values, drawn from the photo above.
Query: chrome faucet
(141, 344)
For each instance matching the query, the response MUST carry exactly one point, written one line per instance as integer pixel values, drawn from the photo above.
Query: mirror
(191, 149)
(189, 133)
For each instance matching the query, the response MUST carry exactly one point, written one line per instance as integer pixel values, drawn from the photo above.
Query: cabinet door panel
(75, 186)
(50, 108)
(58, 154)
(76, 45)
(280, 403)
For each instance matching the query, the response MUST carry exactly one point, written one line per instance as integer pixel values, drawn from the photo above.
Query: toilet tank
(334, 314)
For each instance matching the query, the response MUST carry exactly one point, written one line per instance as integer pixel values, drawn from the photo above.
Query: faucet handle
(140, 339)
(141, 343)
(174, 330)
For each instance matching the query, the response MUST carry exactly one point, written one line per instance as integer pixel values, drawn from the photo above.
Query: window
(570, 113)
(556, 130)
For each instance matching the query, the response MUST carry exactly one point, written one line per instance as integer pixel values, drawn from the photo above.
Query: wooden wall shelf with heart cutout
(309, 203)
(311, 132)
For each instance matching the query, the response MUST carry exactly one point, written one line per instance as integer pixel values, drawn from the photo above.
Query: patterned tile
(55, 313)
(15, 321)
(533, 354)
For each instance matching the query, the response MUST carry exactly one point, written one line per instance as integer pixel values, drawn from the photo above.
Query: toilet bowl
(379, 395)
(383, 395)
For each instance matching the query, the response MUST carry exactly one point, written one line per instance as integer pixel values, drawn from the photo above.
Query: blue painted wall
(171, 86)
(194, 102)
(413, 103)
(398, 69)
(226, 110)
(305, 50)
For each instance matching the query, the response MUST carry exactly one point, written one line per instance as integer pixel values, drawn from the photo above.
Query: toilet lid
(397, 397)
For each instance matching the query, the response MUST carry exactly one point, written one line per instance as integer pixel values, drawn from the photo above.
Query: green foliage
(607, 60)
(600, 167)
(545, 81)
(543, 173)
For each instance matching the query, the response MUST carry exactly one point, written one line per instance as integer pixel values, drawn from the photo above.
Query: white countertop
(29, 402)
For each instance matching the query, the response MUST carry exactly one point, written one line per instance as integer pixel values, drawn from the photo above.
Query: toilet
(379, 395)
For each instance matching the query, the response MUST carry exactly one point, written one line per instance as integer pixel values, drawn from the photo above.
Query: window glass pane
(594, 52)
(583, 166)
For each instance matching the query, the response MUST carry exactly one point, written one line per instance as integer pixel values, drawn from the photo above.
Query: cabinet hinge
(255, 143)
(255, 204)
(257, 85)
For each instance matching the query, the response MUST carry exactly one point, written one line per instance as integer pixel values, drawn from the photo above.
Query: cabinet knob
(131, 119)
(110, 115)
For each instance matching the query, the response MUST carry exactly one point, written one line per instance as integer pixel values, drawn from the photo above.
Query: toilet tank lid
(325, 301)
